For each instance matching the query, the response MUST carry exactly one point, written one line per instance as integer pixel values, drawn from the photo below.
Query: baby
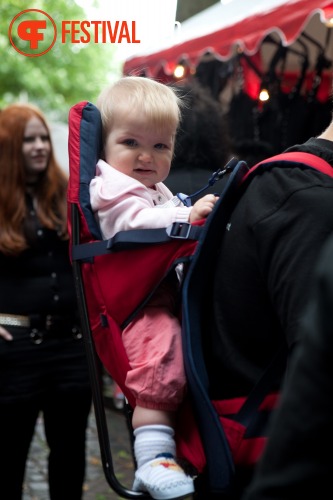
(140, 118)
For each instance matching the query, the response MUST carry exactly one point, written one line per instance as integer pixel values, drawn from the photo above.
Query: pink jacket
(123, 203)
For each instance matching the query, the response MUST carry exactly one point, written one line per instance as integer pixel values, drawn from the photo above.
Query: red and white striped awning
(224, 27)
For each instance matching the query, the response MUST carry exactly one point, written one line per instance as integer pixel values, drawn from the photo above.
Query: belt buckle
(36, 336)
(14, 320)
(179, 230)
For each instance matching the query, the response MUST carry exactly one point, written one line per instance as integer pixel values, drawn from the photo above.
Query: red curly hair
(50, 189)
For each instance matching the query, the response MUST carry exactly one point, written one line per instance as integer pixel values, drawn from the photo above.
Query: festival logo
(33, 32)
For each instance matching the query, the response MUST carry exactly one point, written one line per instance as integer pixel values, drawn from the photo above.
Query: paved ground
(96, 486)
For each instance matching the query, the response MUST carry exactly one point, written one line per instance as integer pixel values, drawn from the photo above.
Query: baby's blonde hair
(158, 103)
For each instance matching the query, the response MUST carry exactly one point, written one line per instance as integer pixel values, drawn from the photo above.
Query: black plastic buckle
(179, 230)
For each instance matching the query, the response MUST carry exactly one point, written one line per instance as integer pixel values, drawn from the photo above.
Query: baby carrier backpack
(114, 278)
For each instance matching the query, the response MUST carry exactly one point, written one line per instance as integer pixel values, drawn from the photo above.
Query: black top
(40, 280)
(264, 270)
(298, 459)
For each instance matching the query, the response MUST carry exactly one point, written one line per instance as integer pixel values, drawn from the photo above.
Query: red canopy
(241, 28)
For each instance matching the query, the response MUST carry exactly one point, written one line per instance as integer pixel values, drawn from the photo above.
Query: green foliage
(68, 73)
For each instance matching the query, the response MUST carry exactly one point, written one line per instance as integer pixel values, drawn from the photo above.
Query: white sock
(152, 440)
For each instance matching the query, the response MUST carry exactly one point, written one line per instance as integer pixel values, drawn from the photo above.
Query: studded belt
(14, 320)
(41, 325)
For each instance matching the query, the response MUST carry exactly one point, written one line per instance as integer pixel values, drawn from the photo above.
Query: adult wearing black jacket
(43, 366)
(264, 273)
(297, 462)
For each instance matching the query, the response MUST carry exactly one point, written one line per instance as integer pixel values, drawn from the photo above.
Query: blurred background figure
(42, 360)
(202, 142)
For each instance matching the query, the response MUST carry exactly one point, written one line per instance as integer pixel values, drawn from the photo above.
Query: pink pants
(153, 345)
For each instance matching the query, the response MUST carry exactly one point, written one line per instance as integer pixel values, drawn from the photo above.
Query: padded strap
(135, 238)
(194, 294)
(306, 159)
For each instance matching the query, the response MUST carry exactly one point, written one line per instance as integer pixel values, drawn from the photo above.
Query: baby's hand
(203, 207)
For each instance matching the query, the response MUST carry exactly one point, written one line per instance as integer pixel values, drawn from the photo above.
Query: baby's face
(142, 153)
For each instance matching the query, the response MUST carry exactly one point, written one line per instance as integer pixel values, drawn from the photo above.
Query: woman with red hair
(43, 366)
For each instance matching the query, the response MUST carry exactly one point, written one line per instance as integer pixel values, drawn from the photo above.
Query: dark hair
(202, 138)
(253, 151)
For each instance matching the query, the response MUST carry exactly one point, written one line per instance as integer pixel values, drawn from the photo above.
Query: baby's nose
(145, 156)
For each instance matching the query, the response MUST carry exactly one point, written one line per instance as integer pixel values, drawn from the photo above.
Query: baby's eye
(130, 142)
(160, 146)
